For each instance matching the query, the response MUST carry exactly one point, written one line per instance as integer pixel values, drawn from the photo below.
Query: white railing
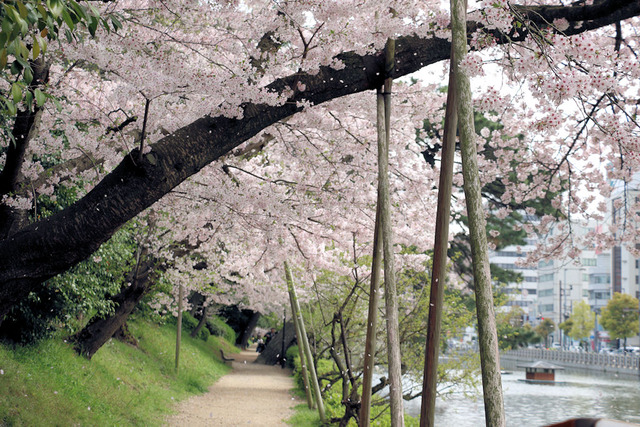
(617, 361)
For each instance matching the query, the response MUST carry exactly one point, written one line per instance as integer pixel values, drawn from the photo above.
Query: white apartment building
(625, 269)
(524, 293)
(563, 283)
(625, 266)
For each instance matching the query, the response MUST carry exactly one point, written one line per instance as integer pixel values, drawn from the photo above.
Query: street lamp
(562, 310)
(596, 343)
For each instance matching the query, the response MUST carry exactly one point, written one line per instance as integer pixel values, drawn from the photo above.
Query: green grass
(49, 384)
(305, 417)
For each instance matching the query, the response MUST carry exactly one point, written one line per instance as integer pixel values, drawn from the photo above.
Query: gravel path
(251, 394)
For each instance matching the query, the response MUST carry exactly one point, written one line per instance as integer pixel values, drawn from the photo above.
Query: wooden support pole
(487, 333)
(307, 348)
(390, 292)
(303, 363)
(179, 331)
(438, 274)
(372, 323)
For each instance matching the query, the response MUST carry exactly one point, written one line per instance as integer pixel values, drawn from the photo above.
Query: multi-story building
(625, 266)
(563, 283)
(522, 294)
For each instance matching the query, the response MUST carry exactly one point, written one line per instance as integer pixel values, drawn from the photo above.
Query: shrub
(292, 353)
(189, 322)
(219, 328)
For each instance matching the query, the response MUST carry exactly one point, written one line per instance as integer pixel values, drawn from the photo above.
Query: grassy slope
(122, 385)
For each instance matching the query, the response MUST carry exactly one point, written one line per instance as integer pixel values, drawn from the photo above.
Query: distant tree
(512, 333)
(582, 321)
(544, 329)
(620, 316)
(566, 326)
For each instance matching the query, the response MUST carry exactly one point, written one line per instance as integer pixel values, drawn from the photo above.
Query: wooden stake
(303, 363)
(179, 331)
(438, 275)
(372, 322)
(307, 348)
(390, 292)
(487, 334)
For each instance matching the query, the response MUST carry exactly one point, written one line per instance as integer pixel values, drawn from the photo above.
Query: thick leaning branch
(52, 245)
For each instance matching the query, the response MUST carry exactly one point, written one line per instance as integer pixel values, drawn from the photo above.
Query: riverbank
(49, 384)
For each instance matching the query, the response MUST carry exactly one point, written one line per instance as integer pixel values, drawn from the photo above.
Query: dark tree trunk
(196, 299)
(201, 323)
(99, 330)
(24, 129)
(271, 354)
(123, 334)
(53, 245)
(248, 330)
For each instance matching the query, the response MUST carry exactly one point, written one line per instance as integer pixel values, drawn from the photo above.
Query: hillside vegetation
(49, 384)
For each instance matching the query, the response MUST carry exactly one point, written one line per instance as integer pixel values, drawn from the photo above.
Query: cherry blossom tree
(187, 82)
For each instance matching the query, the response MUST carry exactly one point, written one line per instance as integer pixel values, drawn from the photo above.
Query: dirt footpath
(251, 394)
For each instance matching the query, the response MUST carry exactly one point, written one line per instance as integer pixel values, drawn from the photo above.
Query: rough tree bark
(248, 330)
(24, 129)
(487, 334)
(99, 330)
(54, 244)
(201, 322)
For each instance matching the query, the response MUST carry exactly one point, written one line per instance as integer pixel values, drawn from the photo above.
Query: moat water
(577, 395)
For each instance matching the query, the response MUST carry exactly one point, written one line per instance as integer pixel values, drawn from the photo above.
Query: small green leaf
(3, 59)
(42, 10)
(42, 42)
(67, 18)
(7, 26)
(152, 159)
(40, 97)
(55, 7)
(93, 26)
(23, 52)
(11, 108)
(29, 100)
(116, 22)
(22, 9)
(4, 37)
(28, 75)
(16, 92)
(36, 48)
(15, 68)
(79, 10)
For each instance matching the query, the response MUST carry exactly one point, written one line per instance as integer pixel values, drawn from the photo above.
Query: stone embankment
(618, 364)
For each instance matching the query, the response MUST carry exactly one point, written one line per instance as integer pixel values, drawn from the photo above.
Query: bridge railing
(618, 361)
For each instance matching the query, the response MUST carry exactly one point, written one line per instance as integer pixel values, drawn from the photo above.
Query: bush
(204, 334)
(69, 300)
(190, 323)
(219, 328)
(292, 353)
